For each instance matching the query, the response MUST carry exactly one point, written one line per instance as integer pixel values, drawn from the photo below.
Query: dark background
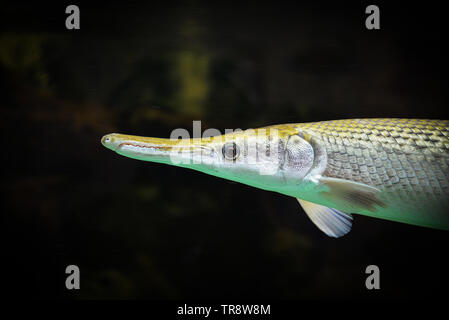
(144, 230)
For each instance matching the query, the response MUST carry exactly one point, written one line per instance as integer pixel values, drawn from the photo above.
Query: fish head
(265, 158)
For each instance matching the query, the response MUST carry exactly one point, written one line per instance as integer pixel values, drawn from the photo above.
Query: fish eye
(230, 151)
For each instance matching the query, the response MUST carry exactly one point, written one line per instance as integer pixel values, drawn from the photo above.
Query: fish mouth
(160, 152)
(180, 151)
(117, 142)
(148, 150)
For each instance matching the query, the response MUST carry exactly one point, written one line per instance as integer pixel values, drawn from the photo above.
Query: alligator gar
(394, 169)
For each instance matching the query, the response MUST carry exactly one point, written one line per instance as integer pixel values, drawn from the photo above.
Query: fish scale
(401, 157)
(372, 161)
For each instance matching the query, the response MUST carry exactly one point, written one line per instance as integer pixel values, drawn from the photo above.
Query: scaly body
(395, 169)
(407, 159)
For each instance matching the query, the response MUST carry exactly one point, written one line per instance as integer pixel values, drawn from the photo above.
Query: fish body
(407, 160)
(394, 169)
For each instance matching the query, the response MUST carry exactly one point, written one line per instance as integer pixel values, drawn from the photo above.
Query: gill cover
(308, 159)
(299, 156)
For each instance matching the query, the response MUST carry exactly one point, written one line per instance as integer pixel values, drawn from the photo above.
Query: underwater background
(146, 230)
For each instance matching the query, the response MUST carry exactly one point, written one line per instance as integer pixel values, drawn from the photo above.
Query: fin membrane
(354, 195)
(331, 221)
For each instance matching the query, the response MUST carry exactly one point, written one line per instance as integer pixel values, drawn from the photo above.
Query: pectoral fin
(353, 195)
(331, 221)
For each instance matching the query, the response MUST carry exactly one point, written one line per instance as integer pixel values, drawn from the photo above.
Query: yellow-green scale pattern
(409, 157)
